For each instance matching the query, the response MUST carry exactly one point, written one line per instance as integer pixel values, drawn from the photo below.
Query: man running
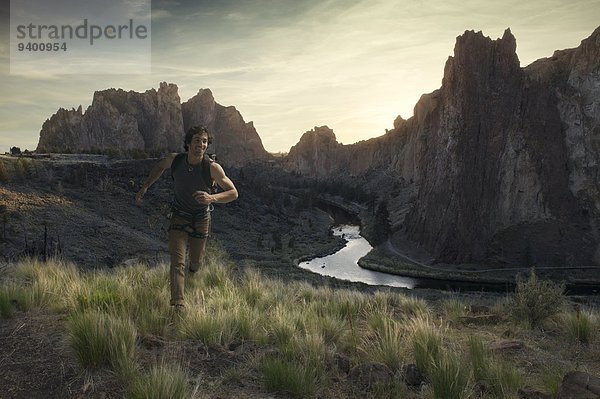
(193, 173)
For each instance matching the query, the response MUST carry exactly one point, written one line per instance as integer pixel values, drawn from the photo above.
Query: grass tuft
(163, 381)
(449, 378)
(386, 343)
(289, 377)
(427, 343)
(501, 378)
(580, 326)
(99, 339)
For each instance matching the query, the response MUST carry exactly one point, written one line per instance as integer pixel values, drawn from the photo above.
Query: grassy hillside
(111, 333)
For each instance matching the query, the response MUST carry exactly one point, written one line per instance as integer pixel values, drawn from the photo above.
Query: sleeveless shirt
(188, 179)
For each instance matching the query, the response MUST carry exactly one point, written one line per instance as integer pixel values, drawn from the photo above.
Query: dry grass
(249, 335)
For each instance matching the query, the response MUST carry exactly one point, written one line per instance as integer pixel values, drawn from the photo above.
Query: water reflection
(344, 263)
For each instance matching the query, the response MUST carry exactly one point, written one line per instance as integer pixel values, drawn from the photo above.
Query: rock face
(503, 161)
(118, 119)
(235, 141)
(152, 121)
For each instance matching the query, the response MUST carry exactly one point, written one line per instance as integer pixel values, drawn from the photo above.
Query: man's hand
(203, 197)
(140, 195)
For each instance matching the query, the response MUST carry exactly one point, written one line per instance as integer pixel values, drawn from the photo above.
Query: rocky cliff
(502, 161)
(235, 141)
(153, 121)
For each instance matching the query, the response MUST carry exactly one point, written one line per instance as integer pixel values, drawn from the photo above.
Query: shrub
(535, 300)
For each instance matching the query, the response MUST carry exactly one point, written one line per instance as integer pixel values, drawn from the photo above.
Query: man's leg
(198, 244)
(177, 243)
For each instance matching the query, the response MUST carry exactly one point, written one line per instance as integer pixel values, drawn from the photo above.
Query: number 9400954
(42, 46)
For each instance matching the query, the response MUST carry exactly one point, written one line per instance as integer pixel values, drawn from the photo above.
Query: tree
(381, 223)
(15, 151)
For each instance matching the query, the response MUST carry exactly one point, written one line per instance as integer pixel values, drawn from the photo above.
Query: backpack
(206, 161)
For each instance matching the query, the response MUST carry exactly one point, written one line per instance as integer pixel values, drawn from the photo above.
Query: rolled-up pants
(182, 231)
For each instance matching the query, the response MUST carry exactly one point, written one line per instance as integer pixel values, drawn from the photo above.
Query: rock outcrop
(503, 161)
(154, 121)
(118, 119)
(235, 140)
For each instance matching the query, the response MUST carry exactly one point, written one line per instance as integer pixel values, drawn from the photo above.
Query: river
(344, 263)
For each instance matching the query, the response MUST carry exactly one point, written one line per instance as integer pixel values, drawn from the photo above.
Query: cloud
(158, 14)
(291, 65)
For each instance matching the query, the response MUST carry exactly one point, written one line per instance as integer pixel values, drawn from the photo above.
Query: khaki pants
(178, 240)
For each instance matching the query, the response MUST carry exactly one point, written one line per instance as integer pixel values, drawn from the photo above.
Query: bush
(535, 300)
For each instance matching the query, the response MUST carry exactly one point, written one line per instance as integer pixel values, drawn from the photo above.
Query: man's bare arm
(155, 174)
(229, 191)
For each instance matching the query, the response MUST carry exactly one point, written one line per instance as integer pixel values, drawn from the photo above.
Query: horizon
(291, 66)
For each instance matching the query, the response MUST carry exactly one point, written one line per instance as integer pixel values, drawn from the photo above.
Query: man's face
(199, 144)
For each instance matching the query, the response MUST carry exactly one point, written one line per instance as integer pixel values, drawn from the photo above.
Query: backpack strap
(179, 158)
(208, 180)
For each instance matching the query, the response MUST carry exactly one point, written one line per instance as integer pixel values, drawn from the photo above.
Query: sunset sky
(290, 65)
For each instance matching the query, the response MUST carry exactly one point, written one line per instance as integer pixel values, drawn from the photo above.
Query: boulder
(579, 385)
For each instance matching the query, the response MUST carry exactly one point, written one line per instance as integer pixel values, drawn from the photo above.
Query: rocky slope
(502, 160)
(153, 121)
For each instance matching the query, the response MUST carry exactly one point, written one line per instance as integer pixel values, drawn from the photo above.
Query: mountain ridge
(503, 159)
(154, 121)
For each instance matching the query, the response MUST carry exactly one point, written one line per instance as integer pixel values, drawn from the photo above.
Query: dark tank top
(188, 179)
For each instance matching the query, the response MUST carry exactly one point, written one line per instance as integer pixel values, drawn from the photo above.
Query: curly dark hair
(194, 130)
